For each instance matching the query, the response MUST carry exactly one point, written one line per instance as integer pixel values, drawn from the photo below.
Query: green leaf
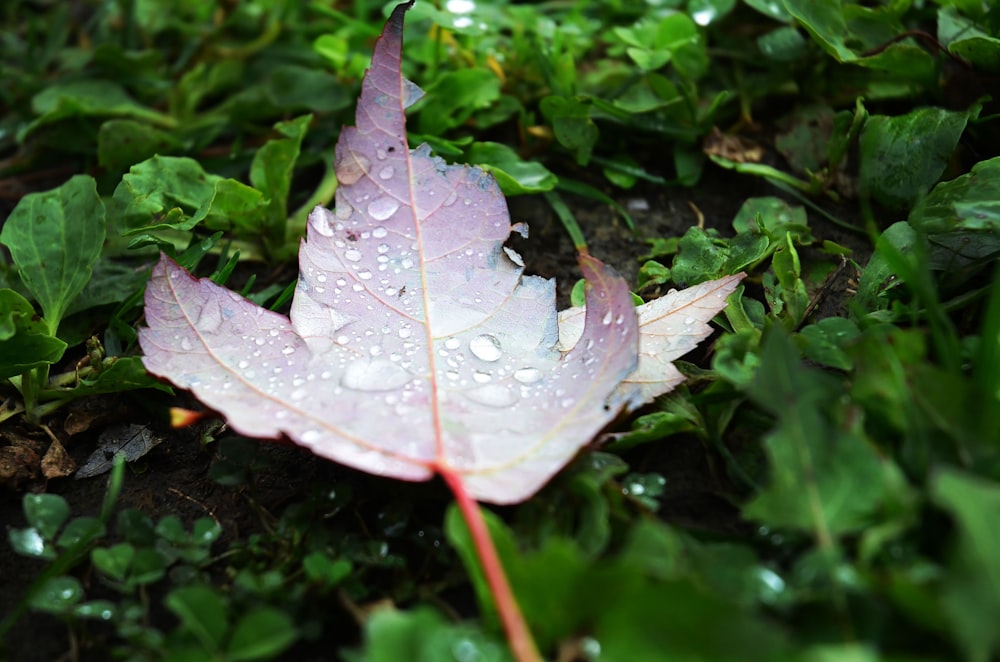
(120, 143)
(271, 173)
(969, 202)
(824, 21)
(101, 98)
(25, 342)
(423, 635)
(55, 238)
(122, 373)
(46, 513)
(572, 125)
(202, 612)
(167, 192)
(514, 175)
(971, 594)
(902, 157)
(823, 479)
(454, 97)
(824, 342)
(113, 561)
(58, 595)
(261, 634)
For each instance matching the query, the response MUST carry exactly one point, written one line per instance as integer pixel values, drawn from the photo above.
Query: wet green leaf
(423, 635)
(58, 595)
(902, 157)
(55, 238)
(970, 202)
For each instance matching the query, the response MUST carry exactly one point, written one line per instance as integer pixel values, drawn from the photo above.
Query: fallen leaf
(415, 345)
(56, 462)
(132, 440)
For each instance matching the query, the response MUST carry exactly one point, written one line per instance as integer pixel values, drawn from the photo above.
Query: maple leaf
(415, 345)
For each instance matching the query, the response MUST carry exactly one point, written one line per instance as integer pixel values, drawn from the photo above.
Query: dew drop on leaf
(493, 395)
(527, 375)
(386, 172)
(323, 226)
(382, 208)
(486, 348)
(379, 232)
(374, 375)
(607, 318)
(352, 255)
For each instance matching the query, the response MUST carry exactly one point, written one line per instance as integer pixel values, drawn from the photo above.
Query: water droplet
(689, 321)
(352, 254)
(364, 274)
(493, 395)
(287, 349)
(310, 436)
(357, 287)
(607, 318)
(382, 208)
(379, 232)
(404, 333)
(383, 248)
(375, 350)
(186, 344)
(243, 365)
(451, 374)
(343, 211)
(486, 347)
(390, 291)
(375, 375)
(452, 343)
(527, 375)
(298, 394)
(343, 340)
(386, 172)
(481, 377)
(322, 225)
(450, 200)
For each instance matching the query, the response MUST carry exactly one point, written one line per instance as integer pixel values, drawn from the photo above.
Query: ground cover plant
(822, 486)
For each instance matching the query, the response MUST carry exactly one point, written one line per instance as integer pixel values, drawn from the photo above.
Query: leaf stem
(522, 644)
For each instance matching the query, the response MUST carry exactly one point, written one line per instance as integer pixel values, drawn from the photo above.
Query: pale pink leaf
(415, 344)
(669, 327)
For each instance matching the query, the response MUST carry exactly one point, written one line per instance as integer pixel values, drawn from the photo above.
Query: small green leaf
(57, 595)
(122, 142)
(81, 531)
(45, 512)
(514, 175)
(271, 174)
(55, 238)
(113, 561)
(202, 612)
(454, 97)
(261, 634)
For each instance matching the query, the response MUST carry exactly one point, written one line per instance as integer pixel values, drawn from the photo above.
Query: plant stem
(522, 644)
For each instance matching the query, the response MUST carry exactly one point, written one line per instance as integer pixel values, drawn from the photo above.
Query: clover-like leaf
(415, 344)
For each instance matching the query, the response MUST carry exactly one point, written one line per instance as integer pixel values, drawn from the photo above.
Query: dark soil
(174, 479)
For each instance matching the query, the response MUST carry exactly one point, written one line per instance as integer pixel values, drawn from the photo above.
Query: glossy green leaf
(25, 342)
(271, 174)
(903, 157)
(970, 202)
(824, 21)
(58, 595)
(55, 238)
(454, 97)
(514, 175)
(46, 513)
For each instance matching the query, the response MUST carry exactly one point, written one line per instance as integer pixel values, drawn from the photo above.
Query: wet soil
(174, 478)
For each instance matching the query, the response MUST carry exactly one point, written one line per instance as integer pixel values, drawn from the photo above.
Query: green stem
(522, 644)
